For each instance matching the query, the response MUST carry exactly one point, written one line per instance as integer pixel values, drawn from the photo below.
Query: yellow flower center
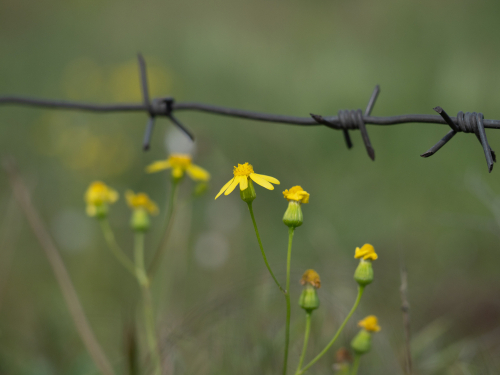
(296, 193)
(180, 161)
(366, 252)
(243, 170)
(370, 323)
(311, 277)
(99, 193)
(141, 201)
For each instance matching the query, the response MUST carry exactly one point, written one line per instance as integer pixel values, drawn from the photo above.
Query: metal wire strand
(345, 121)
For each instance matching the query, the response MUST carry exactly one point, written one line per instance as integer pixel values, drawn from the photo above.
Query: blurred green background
(218, 309)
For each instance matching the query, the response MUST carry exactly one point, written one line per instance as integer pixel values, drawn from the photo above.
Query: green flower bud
(309, 300)
(248, 195)
(100, 211)
(293, 215)
(364, 273)
(140, 220)
(362, 342)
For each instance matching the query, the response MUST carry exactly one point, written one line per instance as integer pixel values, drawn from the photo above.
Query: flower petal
(158, 166)
(197, 173)
(224, 188)
(152, 208)
(244, 183)
(235, 183)
(270, 179)
(257, 178)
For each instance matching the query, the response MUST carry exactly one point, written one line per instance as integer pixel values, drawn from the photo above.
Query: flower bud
(248, 195)
(309, 300)
(99, 211)
(362, 342)
(140, 220)
(364, 273)
(293, 215)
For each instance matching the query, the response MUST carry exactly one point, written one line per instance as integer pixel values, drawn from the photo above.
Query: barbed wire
(346, 120)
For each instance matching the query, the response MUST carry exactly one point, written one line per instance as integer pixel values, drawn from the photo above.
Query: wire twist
(351, 120)
(466, 123)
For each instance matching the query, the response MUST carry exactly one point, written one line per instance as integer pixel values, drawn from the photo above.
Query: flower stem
(262, 248)
(160, 251)
(115, 248)
(360, 293)
(291, 231)
(355, 364)
(149, 320)
(306, 340)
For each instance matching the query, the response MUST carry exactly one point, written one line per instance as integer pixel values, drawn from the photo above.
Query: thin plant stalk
(115, 248)
(149, 320)
(355, 364)
(291, 231)
(160, 251)
(306, 340)
(337, 334)
(262, 248)
(23, 197)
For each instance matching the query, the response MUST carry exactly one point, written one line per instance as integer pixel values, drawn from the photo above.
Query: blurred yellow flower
(241, 175)
(141, 201)
(370, 323)
(311, 277)
(297, 194)
(366, 252)
(179, 163)
(98, 195)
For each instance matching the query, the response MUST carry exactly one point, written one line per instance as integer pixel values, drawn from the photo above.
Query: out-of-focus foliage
(219, 311)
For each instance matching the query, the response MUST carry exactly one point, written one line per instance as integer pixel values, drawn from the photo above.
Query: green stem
(355, 364)
(360, 293)
(262, 248)
(115, 248)
(306, 339)
(160, 251)
(291, 231)
(149, 320)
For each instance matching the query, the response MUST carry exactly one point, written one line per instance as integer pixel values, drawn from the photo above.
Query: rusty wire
(345, 121)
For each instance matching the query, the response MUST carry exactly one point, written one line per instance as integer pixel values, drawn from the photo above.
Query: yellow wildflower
(242, 174)
(179, 163)
(366, 252)
(141, 201)
(297, 194)
(97, 197)
(311, 277)
(370, 323)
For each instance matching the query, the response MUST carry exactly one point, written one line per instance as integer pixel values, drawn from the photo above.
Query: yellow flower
(97, 196)
(241, 175)
(297, 194)
(179, 163)
(366, 252)
(141, 201)
(311, 277)
(370, 323)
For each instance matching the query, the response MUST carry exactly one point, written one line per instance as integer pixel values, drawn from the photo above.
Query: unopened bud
(362, 342)
(140, 220)
(248, 195)
(364, 273)
(309, 300)
(99, 211)
(293, 215)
